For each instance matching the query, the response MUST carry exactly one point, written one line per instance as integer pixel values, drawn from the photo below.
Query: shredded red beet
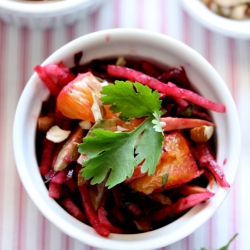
(182, 204)
(104, 221)
(207, 160)
(73, 209)
(171, 90)
(47, 154)
(123, 209)
(54, 190)
(48, 81)
(90, 213)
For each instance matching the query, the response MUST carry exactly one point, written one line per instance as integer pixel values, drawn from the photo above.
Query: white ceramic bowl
(164, 50)
(46, 14)
(214, 22)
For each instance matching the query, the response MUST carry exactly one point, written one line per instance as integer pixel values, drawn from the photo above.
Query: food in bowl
(159, 50)
(124, 145)
(234, 9)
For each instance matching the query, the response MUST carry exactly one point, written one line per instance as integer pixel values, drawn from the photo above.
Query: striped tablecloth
(21, 225)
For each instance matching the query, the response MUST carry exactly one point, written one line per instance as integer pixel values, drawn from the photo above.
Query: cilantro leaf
(144, 148)
(132, 100)
(107, 151)
(115, 154)
(156, 121)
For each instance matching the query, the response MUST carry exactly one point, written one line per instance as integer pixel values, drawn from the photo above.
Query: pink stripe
(41, 238)
(209, 235)
(188, 241)
(185, 243)
(139, 13)
(24, 56)
(164, 23)
(71, 32)
(94, 21)
(232, 59)
(20, 223)
(21, 196)
(65, 242)
(2, 116)
(208, 42)
(43, 232)
(65, 239)
(211, 229)
(185, 28)
(166, 248)
(235, 189)
(47, 43)
(117, 14)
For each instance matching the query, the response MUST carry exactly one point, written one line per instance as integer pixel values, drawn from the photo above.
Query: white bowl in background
(214, 22)
(46, 14)
(152, 46)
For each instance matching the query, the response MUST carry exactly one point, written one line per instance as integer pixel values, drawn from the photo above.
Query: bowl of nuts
(228, 17)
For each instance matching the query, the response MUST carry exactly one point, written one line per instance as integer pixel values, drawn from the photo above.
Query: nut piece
(85, 125)
(121, 61)
(97, 108)
(57, 134)
(201, 134)
(44, 123)
(69, 151)
(239, 12)
(230, 3)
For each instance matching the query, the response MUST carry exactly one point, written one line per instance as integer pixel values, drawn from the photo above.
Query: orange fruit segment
(176, 161)
(75, 99)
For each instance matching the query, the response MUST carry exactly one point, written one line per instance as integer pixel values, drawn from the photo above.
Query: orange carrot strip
(174, 123)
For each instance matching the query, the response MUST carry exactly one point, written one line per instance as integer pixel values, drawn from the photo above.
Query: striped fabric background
(21, 225)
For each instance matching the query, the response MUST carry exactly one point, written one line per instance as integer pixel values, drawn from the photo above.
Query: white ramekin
(46, 14)
(155, 47)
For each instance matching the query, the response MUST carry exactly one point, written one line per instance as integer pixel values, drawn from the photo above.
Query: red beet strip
(59, 177)
(90, 213)
(134, 209)
(47, 155)
(73, 209)
(103, 219)
(47, 80)
(181, 205)
(149, 69)
(54, 190)
(207, 160)
(61, 72)
(174, 123)
(171, 90)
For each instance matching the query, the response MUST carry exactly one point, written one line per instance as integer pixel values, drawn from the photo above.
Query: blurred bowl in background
(225, 26)
(46, 14)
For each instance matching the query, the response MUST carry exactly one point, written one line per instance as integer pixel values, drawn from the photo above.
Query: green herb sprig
(116, 154)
